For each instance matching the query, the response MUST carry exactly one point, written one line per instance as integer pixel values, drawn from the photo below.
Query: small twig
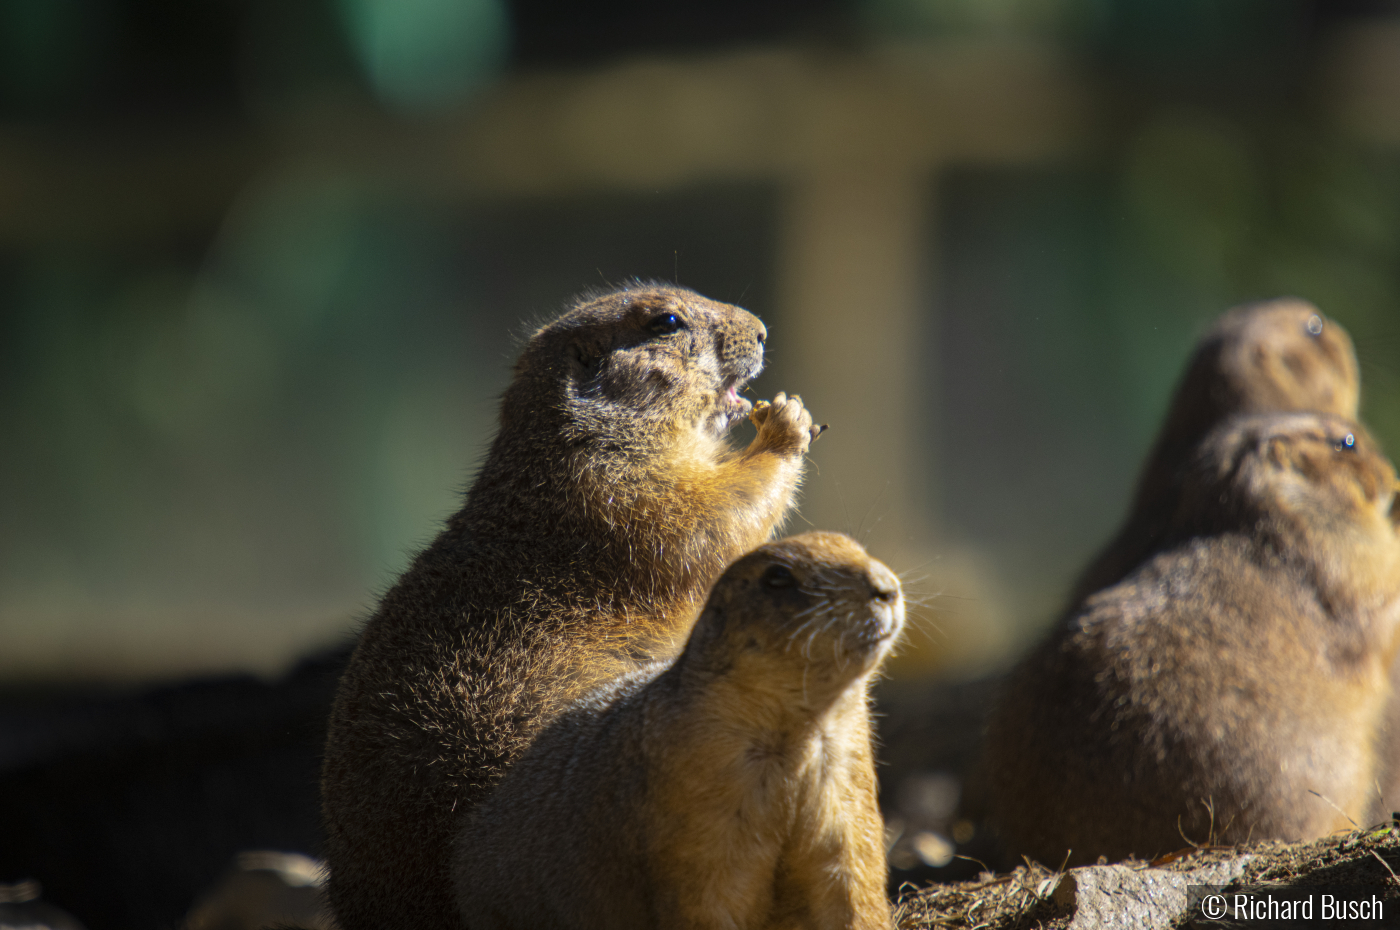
(1387, 866)
(985, 867)
(991, 884)
(1335, 808)
(1189, 842)
(1167, 858)
(1209, 804)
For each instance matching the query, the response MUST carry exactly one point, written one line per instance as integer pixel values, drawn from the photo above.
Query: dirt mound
(1033, 896)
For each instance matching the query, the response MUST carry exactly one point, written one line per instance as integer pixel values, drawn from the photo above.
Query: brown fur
(1258, 358)
(732, 789)
(1242, 668)
(608, 504)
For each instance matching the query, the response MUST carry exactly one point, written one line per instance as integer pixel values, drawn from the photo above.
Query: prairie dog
(1233, 686)
(1274, 356)
(609, 502)
(732, 788)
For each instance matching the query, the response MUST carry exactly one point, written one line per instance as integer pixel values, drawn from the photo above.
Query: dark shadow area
(126, 808)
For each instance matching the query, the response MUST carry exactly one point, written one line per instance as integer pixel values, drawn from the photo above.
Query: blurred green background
(264, 266)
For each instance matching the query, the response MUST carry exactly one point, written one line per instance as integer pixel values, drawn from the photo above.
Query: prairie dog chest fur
(608, 503)
(734, 787)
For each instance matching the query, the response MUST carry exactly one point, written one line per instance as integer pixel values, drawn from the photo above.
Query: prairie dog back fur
(609, 502)
(1274, 356)
(1231, 688)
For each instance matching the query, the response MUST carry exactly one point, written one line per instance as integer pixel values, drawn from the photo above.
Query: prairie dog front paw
(784, 426)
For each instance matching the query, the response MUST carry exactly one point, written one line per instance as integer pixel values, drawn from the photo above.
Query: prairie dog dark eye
(665, 323)
(778, 576)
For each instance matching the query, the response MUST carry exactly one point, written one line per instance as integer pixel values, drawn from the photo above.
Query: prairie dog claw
(784, 425)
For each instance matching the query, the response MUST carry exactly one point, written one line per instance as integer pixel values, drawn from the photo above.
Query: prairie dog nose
(883, 583)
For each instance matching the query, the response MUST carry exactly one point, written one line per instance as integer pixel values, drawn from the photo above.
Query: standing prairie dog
(1234, 686)
(1274, 356)
(608, 504)
(733, 788)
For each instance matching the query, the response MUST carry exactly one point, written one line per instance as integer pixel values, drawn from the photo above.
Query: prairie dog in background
(1274, 356)
(1241, 668)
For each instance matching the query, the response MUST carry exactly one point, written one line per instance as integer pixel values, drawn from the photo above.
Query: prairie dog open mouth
(729, 396)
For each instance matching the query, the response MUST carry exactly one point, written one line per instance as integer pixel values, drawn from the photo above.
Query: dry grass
(1020, 900)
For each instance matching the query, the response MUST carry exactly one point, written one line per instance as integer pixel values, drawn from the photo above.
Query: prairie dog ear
(586, 351)
(706, 650)
(711, 626)
(582, 359)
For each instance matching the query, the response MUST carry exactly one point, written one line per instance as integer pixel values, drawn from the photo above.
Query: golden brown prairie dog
(1231, 688)
(609, 502)
(1273, 356)
(732, 789)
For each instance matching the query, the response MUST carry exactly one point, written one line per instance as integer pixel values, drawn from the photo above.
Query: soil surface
(1022, 899)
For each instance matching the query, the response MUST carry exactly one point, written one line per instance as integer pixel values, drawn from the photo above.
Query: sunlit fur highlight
(733, 788)
(607, 505)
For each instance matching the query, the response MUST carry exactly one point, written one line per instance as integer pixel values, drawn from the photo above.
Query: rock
(265, 889)
(1110, 897)
(21, 909)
